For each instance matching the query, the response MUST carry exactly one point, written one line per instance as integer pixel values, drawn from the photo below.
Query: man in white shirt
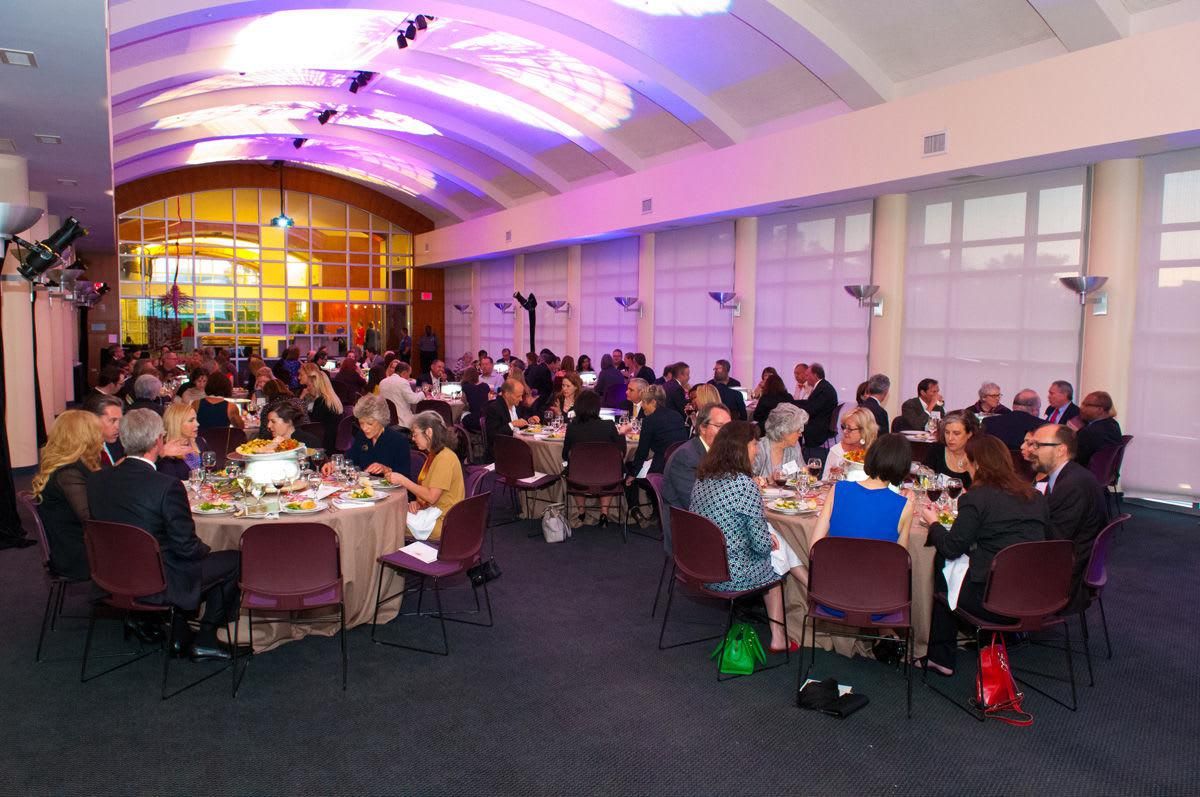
(398, 390)
(488, 375)
(803, 389)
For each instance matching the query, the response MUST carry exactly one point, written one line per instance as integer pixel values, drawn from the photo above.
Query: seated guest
(69, 458)
(860, 393)
(488, 374)
(643, 371)
(476, 394)
(140, 367)
(275, 393)
(721, 374)
(562, 403)
(858, 433)
(677, 386)
(680, 472)
(773, 394)
(633, 398)
(1100, 428)
(871, 509)
(589, 427)
(440, 482)
(989, 401)
(781, 445)
(585, 364)
(261, 377)
(213, 411)
(463, 363)
(434, 377)
(109, 381)
(281, 425)
(608, 378)
(193, 389)
(726, 494)
(376, 446)
(567, 366)
(399, 390)
(135, 492)
(539, 377)
(378, 372)
(249, 373)
(820, 405)
(701, 396)
(630, 366)
(878, 386)
(183, 432)
(147, 393)
(800, 375)
(289, 368)
(999, 510)
(762, 382)
(1078, 510)
(619, 361)
(1059, 405)
(661, 426)
(347, 380)
(927, 404)
(109, 409)
(949, 457)
(504, 415)
(321, 403)
(1012, 427)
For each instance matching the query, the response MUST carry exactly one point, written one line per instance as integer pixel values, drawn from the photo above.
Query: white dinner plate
(345, 496)
(321, 507)
(196, 510)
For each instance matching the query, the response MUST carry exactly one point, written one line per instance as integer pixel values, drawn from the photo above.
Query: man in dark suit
(503, 416)
(147, 394)
(878, 387)
(1012, 428)
(109, 409)
(1077, 506)
(643, 371)
(539, 377)
(1099, 430)
(680, 473)
(676, 387)
(134, 492)
(434, 377)
(917, 411)
(633, 398)
(732, 399)
(820, 405)
(721, 374)
(661, 426)
(1060, 407)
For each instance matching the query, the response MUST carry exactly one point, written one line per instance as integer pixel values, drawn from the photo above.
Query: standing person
(820, 405)
(608, 378)
(802, 389)
(1060, 407)
(675, 384)
(643, 371)
(927, 404)
(372, 339)
(405, 350)
(428, 348)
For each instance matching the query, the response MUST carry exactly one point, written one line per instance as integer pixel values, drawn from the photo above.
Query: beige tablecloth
(796, 530)
(363, 533)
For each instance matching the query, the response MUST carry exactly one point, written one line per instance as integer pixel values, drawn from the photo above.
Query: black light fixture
(422, 21)
(360, 79)
(324, 116)
(282, 220)
(401, 42)
(298, 142)
(44, 255)
(411, 31)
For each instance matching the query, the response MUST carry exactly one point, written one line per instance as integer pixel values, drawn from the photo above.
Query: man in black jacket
(539, 377)
(1060, 407)
(680, 473)
(661, 426)
(676, 387)
(820, 405)
(134, 492)
(643, 371)
(1012, 427)
(878, 387)
(503, 415)
(1100, 429)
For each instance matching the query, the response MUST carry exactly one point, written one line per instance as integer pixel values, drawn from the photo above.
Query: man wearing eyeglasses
(989, 401)
(680, 473)
(1077, 507)
(1100, 429)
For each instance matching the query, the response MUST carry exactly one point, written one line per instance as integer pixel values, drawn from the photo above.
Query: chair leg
(658, 590)
(87, 644)
(667, 611)
(1070, 666)
(437, 596)
(342, 637)
(47, 618)
(1104, 622)
(378, 601)
(908, 646)
(167, 644)
(724, 641)
(1087, 645)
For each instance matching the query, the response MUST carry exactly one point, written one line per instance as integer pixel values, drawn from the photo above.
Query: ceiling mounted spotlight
(401, 42)
(360, 79)
(47, 254)
(324, 116)
(422, 21)
(411, 31)
(299, 142)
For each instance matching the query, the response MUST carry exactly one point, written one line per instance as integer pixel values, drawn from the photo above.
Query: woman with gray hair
(440, 482)
(376, 448)
(784, 426)
(989, 401)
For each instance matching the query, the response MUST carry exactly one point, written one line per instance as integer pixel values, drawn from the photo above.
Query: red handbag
(996, 692)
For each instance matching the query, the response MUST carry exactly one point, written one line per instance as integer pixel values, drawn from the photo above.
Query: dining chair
(393, 414)
(1105, 465)
(440, 407)
(664, 523)
(345, 434)
(514, 470)
(1095, 579)
(57, 583)
(597, 470)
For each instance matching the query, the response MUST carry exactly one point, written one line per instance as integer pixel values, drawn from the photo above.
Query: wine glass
(931, 426)
(233, 469)
(815, 466)
(208, 459)
(779, 478)
(339, 462)
(195, 480)
(279, 481)
(256, 490)
(954, 488)
(313, 478)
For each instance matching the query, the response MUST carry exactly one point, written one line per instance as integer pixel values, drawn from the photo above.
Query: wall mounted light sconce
(465, 309)
(1085, 286)
(560, 306)
(505, 307)
(864, 294)
(630, 304)
(728, 300)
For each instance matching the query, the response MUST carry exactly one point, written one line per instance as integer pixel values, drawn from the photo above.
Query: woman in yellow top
(440, 482)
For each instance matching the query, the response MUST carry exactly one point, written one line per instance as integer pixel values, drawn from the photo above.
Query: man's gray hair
(1065, 387)
(140, 430)
(784, 420)
(640, 385)
(705, 413)
(988, 387)
(147, 388)
(878, 385)
(1029, 400)
(373, 408)
(656, 394)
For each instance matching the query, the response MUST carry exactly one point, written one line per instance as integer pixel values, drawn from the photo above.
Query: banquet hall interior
(559, 327)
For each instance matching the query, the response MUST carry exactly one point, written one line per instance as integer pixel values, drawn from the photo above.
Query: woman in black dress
(774, 393)
(949, 457)
(70, 456)
(476, 394)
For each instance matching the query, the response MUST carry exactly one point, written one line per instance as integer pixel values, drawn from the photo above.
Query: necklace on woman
(958, 463)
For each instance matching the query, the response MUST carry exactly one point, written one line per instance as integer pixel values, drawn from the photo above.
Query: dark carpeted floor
(568, 694)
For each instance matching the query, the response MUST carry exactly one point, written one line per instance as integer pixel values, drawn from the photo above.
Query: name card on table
(790, 468)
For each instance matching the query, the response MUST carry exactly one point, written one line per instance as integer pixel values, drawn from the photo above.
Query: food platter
(259, 450)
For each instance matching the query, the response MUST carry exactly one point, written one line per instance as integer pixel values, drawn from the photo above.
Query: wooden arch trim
(193, 179)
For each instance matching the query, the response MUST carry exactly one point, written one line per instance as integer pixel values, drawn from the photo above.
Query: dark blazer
(1077, 512)
(137, 494)
(977, 408)
(731, 383)
(63, 509)
(113, 449)
(1095, 436)
(989, 521)
(647, 373)
(1012, 428)
(595, 430)
(495, 422)
(605, 380)
(820, 406)
(391, 449)
(731, 399)
(676, 397)
(915, 415)
(539, 378)
(177, 467)
(764, 407)
(1069, 412)
(881, 416)
(143, 404)
(659, 430)
(476, 396)
(680, 474)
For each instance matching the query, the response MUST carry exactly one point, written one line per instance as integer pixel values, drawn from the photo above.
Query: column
(745, 274)
(1104, 362)
(645, 327)
(574, 297)
(15, 321)
(520, 339)
(888, 249)
(477, 310)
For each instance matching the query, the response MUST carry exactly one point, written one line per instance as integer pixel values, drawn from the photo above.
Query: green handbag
(739, 651)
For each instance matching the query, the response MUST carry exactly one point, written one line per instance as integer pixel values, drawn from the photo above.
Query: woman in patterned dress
(727, 494)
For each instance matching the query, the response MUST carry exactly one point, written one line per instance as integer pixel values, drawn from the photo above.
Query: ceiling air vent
(934, 144)
(508, 236)
(647, 205)
(17, 58)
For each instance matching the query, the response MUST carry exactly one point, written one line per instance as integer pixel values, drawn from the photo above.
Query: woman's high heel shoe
(603, 520)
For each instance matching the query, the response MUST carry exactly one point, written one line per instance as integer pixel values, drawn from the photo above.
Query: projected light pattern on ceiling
(318, 38)
(677, 8)
(280, 117)
(486, 99)
(590, 92)
(263, 77)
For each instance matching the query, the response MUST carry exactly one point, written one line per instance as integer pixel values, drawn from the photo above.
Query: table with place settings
(547, 450)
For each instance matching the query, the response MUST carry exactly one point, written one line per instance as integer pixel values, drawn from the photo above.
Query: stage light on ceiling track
(324, 116)
(401, 42)
(299, 142)
(411, 31)
(282, 220)
(47, 254)
(422, 21)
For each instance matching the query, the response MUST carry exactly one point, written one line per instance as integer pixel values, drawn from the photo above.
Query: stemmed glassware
(208, 459)
(196, 481)
(954, 488)
(814, 467)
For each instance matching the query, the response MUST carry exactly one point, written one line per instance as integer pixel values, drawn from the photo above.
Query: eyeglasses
(851, 428)
(715, 425)
(1043, 445)
(992, 395)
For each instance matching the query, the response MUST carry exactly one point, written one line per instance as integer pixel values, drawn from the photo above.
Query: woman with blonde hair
(182, 429)
(859, 432)
(702, 395)
(70, 456)
(321, 402)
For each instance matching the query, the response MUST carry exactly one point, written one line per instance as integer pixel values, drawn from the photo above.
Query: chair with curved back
(440, 407)
(856, 586)
(393, 414)
(31, 522)
(345, 434)
(664, 521)
(514, 470)
(701, 558)
(1095, 579)
(290, 568)
(217, 440)
(834, 425)
(900, 425)
(597, 470)
(1105, 465)
(459, 549)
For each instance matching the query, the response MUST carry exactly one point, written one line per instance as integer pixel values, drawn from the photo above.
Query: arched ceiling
(501, 101)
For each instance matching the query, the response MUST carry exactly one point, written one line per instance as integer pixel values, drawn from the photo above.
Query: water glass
(196, 480)
(208, 459)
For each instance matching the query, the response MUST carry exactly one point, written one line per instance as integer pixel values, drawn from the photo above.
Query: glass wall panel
(608, 269)
(688, 325)
(496, 285)
(546, 278)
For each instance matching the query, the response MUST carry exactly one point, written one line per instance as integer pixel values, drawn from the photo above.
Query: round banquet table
(796, 529)
(547, 458)
(364, 533)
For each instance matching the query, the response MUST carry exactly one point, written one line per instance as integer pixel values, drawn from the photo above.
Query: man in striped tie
(1060, 407)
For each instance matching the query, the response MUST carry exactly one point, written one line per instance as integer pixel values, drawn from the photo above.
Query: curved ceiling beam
(604, 146)
(827, 52)
(440, 208)
(549, 26)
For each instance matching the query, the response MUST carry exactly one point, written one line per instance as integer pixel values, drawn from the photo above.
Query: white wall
(609, 269)
(495, 285)
(688, 325)
(458, 325)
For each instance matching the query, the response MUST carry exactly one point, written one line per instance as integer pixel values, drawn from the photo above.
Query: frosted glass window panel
(546, 278)
(496, 285)
(458, 325)
(993, 311)
(608, 269)
(1164, 458)
(802, 312)
(688, 325)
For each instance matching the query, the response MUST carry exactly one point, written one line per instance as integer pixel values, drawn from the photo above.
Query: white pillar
(574, 297)
(645, 327)
(17, 315)
(745, 275)
(888, 249)
(520, 344)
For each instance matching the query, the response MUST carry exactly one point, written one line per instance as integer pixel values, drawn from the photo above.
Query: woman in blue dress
(871, 509)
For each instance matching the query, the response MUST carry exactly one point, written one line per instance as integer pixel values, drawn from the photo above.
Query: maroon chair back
(217, 440)
(835, 420)
(345, 433)
(462, 442)
(596, 466)
(440, 407)
(473, 479)
(900, 425)
(394, 416)
(1031, 581)
(463, 530)
(291, 563)
(31, 521)
(1105, 464)
(698, 548)
(860, 578)
(126, 562)
(514, 459)
(1095, 576)
(656, 485)
(416, 461)
(671, 449)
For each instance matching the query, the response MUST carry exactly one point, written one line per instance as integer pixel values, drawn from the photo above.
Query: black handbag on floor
(484, 572)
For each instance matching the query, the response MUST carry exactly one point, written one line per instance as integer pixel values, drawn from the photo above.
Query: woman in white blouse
(859, 431)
